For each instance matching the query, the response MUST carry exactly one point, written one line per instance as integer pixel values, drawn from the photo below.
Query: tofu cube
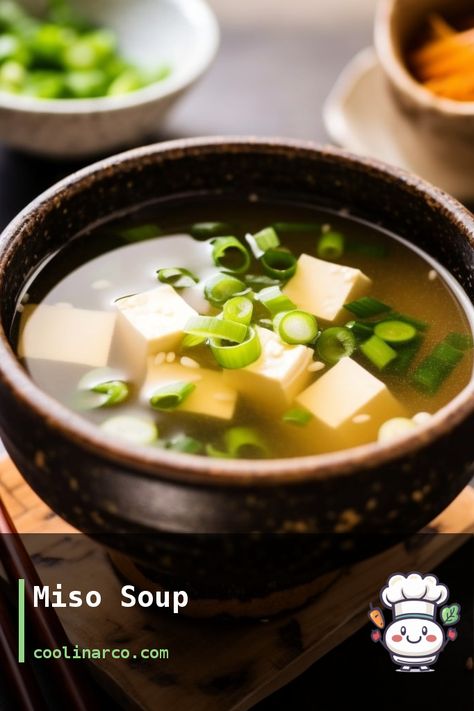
(148, 323)
(322, 288)
(274, 380)
(62, 333)
(212, 396)
(349, 405)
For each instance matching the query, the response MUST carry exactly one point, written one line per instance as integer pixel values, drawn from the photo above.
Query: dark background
(273, 82)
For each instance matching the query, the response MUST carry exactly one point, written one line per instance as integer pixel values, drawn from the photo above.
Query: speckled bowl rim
(207, 30)
(192, 468)
(399, 73)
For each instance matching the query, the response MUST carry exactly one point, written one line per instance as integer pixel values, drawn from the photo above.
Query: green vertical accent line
(21, 621)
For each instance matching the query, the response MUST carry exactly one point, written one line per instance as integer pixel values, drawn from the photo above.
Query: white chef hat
(414, 595)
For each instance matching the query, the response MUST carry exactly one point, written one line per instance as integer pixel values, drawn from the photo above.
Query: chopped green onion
(140, 233)
(213, 327)
(274, 300)
(298, 417)
(240, 355)
(436, 367)
(360, 330)
(230, 254)
(245, 443)
(297, 327)
(183, 443)
(416, 323)
(368, 250)
(260, 281)
(262, 241)
(212, 451)
(331, 246)
(378, 352)
(177, 277)
(406, 354)
(366, 307)
(222, 287)
(135, 430)
(395, 332)
(171, 396)
(279, 264)
(114, 392)
(299, 227)
(239, 309)
(461, 341)
(336, 343)
(206, 230)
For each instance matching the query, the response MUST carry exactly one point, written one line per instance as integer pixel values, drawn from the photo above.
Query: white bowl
(183, 34)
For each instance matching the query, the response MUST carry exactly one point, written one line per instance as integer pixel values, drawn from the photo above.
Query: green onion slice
(436, 367)
(177, 277)
(213, 327)
(297, 327)
(245, 443)
(275, 301)
(183, 443)
(298, 227)
(360, 330)
(171, 396)
(416, 323)
(331, 246)
(239, 309)
(232, 356)
(221, 287)
(206, 230)
(140, 233)
(230, 254)
(395, 332)
(461, 341)
(297, 416)
(279, 264)
(114, 392)
(378, 352)
(336, 343)
(262, 241)
(366, 307)
(406, 354)
(190, 341)
(135, 430)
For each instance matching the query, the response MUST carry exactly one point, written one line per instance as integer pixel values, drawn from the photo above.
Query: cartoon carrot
(376, 616)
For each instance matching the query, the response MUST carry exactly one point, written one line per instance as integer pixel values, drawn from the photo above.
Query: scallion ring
(274, 300)
(245, 443)
(221, 287)
(212, 327)
(297, 416)
(262, 241)
(239, 309)
(230, 254)
(297, 327)
(177, 277)
(114, 392)
(336, 343)
(233, 356)
(331, 246)
(135, 430)
(171, 396)
(279, 264)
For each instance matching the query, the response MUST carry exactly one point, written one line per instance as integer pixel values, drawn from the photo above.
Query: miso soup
(245, 329)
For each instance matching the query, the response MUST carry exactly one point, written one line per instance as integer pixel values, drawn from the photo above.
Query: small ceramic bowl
(346, 499)
(441, 127)
(183, 34)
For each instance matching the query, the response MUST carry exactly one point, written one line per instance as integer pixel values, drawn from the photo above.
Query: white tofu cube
(349, 405)
(274, 380)
(322, 288)
(148, 323)
(62, 333)
(212, 396)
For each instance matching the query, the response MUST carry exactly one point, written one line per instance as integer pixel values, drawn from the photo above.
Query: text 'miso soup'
(274, 331)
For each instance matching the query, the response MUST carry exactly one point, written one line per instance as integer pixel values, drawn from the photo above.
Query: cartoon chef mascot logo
(414, 638)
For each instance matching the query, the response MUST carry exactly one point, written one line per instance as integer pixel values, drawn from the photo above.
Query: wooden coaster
(213, 665)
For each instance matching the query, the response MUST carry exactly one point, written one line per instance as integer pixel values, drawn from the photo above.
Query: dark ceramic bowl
(107, 487)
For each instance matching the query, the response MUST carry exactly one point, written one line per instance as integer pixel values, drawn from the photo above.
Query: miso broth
(359, 340)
